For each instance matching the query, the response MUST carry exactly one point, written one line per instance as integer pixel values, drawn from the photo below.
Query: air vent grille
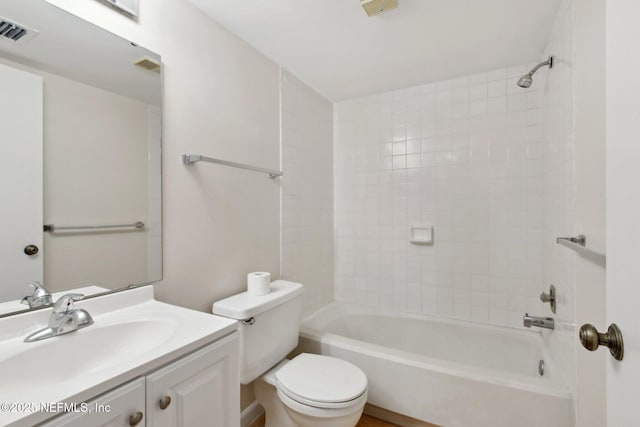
(11, 31)
(375, 7)
(148, 64)
(14, 32)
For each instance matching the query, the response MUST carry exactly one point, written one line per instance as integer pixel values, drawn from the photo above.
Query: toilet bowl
(312, 391)
(308, 391)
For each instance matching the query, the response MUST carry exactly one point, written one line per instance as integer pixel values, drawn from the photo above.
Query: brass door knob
(135, 419)
(31, 250)
(165, 402)
(591, 339)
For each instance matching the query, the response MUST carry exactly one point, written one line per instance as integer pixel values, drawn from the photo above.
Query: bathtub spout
(540, 322)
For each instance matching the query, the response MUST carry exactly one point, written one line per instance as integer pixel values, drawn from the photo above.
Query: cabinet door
(120, 407)
(202, 389)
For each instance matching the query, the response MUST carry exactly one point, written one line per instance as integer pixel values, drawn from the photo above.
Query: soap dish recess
(421, 233)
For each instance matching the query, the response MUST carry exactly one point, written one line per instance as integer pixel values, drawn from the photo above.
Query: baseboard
(394, 418)
(250, 413)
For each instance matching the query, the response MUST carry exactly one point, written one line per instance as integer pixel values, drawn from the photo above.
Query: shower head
(526, 80)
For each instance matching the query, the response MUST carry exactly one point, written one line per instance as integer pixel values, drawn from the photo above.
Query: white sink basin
(83, 352)
(132, 334)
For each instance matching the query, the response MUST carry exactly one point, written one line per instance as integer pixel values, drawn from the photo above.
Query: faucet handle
(550, 298)
(40, 296)
(35, 285)
(65, 303)
(38, 290)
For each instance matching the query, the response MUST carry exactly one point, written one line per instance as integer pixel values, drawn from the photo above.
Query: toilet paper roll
(259, 283)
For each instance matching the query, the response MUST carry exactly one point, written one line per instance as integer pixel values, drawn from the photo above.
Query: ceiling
(340, 52)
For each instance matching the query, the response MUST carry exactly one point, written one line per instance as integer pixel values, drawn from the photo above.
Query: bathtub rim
(551, 386)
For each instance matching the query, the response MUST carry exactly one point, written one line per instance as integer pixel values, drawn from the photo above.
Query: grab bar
(579, 244)
(51, 228)
(189, 159)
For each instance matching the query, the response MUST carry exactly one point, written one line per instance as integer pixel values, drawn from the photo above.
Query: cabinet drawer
(112, 409)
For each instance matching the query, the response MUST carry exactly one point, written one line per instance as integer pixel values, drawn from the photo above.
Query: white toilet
(308, 391)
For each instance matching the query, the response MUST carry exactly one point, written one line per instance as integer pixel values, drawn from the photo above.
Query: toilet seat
(323, 405)
(322, 383)
(318, 412)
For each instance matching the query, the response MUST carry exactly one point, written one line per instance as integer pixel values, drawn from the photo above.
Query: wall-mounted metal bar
(52, 228)
(578, 240)
(189, 159)
(579, 244)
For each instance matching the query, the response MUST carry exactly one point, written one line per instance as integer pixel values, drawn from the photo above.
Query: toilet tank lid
(244, 306)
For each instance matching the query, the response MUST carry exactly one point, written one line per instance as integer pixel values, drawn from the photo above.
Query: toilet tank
(269, 326)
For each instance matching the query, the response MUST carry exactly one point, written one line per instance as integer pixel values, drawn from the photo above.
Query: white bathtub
(450, 373)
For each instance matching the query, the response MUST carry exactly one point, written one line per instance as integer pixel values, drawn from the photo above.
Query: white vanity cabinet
(123, 406)
(202, 389)
(199, 389)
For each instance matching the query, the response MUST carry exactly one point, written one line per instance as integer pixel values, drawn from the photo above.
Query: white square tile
(516, 102)
(413, 147)
(462, 311)
(497, 88)
(478, 107)
(399, 148)
(460, 95)
(444, 99)
(497, 105)
(478, 92)
(413, 160)
(445, 309)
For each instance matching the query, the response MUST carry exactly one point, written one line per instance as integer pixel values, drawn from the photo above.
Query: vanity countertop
(132, 335)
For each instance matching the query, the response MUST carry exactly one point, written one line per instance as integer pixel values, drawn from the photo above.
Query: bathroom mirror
(80, 156)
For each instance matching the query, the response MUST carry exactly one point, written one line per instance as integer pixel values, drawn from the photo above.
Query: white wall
(221, 99)
(95, 172)
(307, 192)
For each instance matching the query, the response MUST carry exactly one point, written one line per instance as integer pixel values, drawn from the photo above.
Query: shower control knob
(550, 298)
(591, 339)
(31, 250)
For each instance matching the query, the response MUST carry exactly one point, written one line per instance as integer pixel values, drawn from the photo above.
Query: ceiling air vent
(375, 7)
(14, 32)
(148, 64)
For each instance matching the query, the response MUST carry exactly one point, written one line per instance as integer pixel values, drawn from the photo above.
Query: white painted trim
(250, 413)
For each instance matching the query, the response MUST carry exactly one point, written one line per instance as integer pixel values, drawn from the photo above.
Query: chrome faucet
(540, 322)
(65, 318)
(39, 298)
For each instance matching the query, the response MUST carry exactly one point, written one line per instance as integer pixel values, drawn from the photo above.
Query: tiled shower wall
(307, 191)
(475, 157)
